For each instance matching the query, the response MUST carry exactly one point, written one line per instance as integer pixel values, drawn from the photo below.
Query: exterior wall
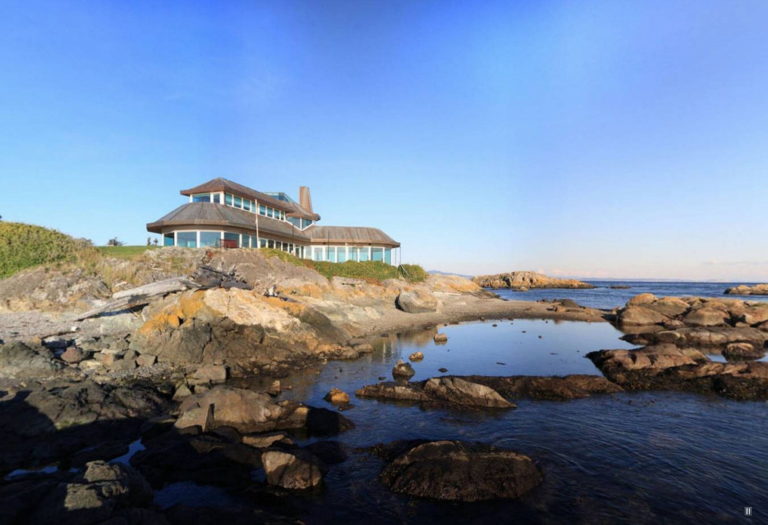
(189, 237)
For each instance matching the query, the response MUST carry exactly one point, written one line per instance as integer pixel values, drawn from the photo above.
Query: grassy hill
(25, 245)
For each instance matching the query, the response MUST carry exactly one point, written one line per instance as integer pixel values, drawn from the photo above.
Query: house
(222, 213)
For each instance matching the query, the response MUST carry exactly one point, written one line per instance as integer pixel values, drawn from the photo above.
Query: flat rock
(460, 471)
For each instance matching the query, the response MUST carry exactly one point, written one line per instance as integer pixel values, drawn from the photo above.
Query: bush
(369, 270)
(26, 245)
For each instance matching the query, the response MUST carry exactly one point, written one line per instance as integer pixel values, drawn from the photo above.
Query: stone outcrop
(743, 289)
(460, 471)
(416, 302)
(471, 389)
(27, 360)
(292, 469)
(527, 280)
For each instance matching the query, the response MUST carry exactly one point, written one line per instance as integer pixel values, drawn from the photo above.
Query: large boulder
(23, 361)
(707, 316)
(743, 352)
(641, 315)
(459, 471)
(743, 289)
(460, 392)
(292, 469)
(416, 302)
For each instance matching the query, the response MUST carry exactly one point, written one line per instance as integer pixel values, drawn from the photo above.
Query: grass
(25, 245)
(374, 271)
(124, 252)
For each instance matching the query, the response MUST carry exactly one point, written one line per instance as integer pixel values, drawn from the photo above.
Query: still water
(603, 296)
(641, 458)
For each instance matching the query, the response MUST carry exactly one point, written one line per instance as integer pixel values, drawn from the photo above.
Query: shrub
(26, 245)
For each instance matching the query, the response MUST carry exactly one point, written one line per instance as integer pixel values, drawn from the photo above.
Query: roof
(349, 235)
(221, 184)
(219, 215)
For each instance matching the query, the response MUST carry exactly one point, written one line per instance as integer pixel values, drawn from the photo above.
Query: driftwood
(140, 296)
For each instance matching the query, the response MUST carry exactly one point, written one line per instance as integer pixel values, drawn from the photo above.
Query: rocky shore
(743, 289)
(523, 281)
(118, 390)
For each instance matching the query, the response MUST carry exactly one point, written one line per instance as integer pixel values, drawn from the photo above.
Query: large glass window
(354, 253)
(270, 243)
(332, 253)
(388, 255)
(262, 209)
(201, 197)
(228, 199)
(238, 202)
(270, 212)
(377, 254)
(364, 255)
(209, 239)
(216, 198)
(341, 254)
(262, 243)
(317, 253)
(186, 239)
(168, 239)
(247, 205)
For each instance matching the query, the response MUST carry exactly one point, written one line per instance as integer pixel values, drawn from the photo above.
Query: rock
(742, 351)
(403, 370)
(523, 280)
(363, 348)
(416, 356)
(209, 374)
(275, 388)
(265, 440)
(295, 469)
(394, 392)
(743, 289)
(443, 370)
(440, 339)
(642, 299)
(22, 361)
(459, 471)
(706, 317)
(669, 306)
(146, 360)
(182, 392)
(640, 315)
(416, 302)
(550, 388)
(72, 355)
(337, 397)
(613, 363)
(460, 392)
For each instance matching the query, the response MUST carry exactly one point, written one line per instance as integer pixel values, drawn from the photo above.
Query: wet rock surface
(458, 471)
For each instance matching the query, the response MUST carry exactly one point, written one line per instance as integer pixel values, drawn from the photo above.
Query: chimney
(305, 199)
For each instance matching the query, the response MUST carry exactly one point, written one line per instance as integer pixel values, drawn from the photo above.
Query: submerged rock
(403, 370)
(292, 469)
(460, 471)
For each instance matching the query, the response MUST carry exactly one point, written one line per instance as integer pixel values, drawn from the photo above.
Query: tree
(114, 242)
(149, 241)
(154, 241)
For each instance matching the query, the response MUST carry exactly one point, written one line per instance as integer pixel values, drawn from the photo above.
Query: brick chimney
(305, 199)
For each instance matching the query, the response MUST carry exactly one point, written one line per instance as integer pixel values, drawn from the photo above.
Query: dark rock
(295, 469)
(24, 361)
(460, 392)
(459, 471)
(743, 351)
(403, 370)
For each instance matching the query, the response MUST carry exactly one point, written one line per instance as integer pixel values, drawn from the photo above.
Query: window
(247, 205)
(201, 197)
(270, 243)
(341, 254)
(270, 212)
(262, 210)
(168, 239)
(388, 255)
(317, 253)
(231, 240)
(186, 239)
(354, 253)
(262, 243)
(210, 239)
(228, 199)
(332, 253)
(364, 256)
(377, 254)
(238, 202)
(216, 198)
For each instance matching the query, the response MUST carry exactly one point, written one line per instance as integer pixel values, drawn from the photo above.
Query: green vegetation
(370, 270)
(26, 245)
(124, 252)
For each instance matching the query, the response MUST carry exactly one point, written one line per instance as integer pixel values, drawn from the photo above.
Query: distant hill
(25, 245)
(438, 272)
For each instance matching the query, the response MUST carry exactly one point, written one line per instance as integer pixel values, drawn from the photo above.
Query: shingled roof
(350, 235)
(211, 214)
(226, 185)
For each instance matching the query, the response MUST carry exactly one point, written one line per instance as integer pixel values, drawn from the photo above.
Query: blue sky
(592, 138)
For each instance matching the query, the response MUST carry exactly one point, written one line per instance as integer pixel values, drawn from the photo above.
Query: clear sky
(592, 138)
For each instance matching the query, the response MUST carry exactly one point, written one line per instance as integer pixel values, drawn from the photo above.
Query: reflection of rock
(459, 471)
(440, 339)
(526, 280)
